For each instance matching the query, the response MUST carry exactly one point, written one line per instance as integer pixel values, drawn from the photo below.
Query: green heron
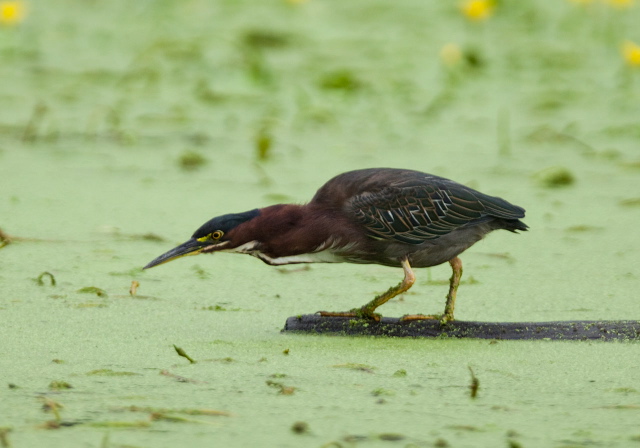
(392, 217)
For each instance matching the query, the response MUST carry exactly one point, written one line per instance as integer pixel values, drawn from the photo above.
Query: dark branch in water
(387, 326)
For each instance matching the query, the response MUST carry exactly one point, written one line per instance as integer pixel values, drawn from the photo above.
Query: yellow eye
(216, 235)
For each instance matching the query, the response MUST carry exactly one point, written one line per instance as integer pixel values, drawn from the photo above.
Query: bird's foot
(358, 313)
(407, 317)
(446, 317)
(443, 318)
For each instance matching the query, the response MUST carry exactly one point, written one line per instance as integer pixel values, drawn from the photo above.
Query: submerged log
(389, 326)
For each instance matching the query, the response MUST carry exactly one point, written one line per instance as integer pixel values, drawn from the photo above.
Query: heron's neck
(284, 230)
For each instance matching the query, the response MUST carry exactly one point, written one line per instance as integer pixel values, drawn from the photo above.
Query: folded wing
(425, 209)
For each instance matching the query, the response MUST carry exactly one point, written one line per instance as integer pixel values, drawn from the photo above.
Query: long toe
(336, 313)
(446, 317)
(357, 313)
(408, 317)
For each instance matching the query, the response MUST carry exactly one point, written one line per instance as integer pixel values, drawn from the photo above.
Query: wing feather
(414, 214)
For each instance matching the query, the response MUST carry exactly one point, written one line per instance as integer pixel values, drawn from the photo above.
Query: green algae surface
(124, 126)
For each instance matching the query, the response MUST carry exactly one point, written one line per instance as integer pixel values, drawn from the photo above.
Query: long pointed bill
(191, 247)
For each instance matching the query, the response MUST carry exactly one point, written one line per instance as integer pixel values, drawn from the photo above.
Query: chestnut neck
(287, 229)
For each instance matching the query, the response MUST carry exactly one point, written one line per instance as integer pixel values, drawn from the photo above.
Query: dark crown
(225, 222)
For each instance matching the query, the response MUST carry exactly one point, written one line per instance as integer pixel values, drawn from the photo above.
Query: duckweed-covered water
(126, 125)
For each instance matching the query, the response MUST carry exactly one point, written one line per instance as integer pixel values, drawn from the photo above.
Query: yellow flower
(11, 13)
(451, 55)
(631, 53)
(620, 4)
(477, 9)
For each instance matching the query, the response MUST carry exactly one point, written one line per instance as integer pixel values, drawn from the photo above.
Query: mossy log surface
(388, 326)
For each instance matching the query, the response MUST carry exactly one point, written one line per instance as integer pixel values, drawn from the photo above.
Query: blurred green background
(126, 125)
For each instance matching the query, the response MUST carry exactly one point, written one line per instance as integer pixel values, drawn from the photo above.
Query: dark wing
(425, 210)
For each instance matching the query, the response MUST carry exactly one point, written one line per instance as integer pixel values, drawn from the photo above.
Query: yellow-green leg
(454, 282)
(367, 311)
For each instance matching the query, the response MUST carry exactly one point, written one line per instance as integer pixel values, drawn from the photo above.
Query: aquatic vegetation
(263, 141)
(109, 372)
(161, 416)
(59, 385)
(4, 436)
(5, 239)
(182, 353)
(341, 80)
(53, 406)
(133, 290)
(101, 98)
(475, 384)
(631, 202)
(583, 228)
(49, 275)
(391, 437)
(38, 114)
(554, 177)
(265, 39)
(151, 410)
(218, 307)
(191, 160)
(451, 55)
(93, 290)
(119, 424)
(282, 389)
(300, 427)
(356, 366)
(200, 272)
(380, 391)
(180, 379)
